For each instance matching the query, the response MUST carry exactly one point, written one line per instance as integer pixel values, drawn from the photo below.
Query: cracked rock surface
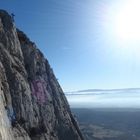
(32, 103)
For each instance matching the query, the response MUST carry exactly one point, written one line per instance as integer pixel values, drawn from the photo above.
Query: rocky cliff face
(32, 103)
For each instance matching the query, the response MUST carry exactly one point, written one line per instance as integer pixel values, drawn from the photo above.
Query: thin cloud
(104, 91)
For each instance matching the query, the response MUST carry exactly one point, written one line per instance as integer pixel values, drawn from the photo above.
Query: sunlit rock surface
(32, 103)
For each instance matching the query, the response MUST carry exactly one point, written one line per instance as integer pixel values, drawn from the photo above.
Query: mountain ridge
(33, 105)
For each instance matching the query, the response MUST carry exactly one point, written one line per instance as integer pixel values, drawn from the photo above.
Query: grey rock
(32, 103)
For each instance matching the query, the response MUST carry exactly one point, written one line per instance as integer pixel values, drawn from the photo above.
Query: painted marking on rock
(39, 90)
(11, 113)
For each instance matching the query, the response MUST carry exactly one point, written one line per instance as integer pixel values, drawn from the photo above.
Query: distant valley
(109, 124)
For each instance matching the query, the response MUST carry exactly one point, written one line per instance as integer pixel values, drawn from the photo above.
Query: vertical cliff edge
(32, 103)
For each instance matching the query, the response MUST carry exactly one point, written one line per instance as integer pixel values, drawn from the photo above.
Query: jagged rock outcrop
(32, 103)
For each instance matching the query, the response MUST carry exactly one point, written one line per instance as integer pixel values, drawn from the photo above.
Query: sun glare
(128, 21)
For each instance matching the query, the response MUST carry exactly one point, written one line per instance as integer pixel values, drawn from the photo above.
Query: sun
(128, 21)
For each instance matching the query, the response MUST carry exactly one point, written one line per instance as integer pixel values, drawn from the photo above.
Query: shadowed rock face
(32, 103)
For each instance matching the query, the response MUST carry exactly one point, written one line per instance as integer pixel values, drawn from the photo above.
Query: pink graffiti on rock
(39, 90)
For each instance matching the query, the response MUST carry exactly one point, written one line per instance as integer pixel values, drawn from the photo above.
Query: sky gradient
(80, 41)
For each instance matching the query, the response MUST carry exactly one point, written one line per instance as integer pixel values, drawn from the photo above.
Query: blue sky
(79, 40)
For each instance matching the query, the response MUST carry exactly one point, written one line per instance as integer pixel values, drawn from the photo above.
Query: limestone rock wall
(32, 103)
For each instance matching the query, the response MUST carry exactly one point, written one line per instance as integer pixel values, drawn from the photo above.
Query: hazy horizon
(113, 98)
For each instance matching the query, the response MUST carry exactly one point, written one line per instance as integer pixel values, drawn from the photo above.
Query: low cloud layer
(112, 98)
